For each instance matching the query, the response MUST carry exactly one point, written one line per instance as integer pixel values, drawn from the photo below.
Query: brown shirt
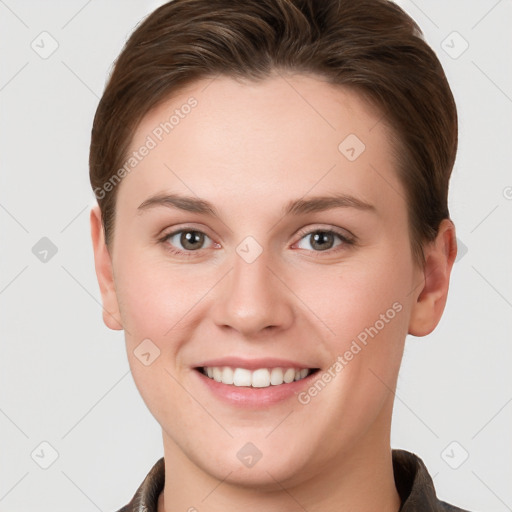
(412, 480)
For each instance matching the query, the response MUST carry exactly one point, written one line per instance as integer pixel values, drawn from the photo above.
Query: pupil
(320, 238)
(189, 238)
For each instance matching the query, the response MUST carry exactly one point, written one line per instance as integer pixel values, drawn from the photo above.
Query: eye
(320, 240)
(186, 240)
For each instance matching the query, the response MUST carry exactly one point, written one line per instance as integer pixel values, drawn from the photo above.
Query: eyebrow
(294, 207)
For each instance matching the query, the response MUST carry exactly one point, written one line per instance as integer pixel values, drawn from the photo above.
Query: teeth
(289, 375)
(227, 376)
(300, 375)
(276, 376)
(217, 374)
(241, 377)
(260, 378)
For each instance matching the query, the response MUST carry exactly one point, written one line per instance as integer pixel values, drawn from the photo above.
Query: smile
(258, 378)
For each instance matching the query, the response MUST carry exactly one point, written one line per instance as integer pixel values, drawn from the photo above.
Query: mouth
(256, 378)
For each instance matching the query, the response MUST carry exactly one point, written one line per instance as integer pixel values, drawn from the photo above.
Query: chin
(263, 477)
(265, 469)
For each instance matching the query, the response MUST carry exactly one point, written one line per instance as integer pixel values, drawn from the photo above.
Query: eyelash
(346, 240)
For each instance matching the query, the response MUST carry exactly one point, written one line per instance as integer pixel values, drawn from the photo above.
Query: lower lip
(245, 396)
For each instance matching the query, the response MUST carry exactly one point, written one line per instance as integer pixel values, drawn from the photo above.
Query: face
(263, 239)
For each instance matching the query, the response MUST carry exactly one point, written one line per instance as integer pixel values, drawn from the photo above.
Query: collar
(412, 480)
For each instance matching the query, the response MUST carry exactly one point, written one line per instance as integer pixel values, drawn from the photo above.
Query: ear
(431, 295)
(103, 266)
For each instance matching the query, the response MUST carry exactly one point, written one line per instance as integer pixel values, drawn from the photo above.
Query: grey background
(64, 377)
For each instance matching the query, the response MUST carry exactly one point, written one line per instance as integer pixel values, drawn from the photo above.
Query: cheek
(153, 303)
(362, 312)
(366, 308)
(153, 296)
(354, 296)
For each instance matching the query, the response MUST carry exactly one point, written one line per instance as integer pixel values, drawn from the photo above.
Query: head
(263, 115)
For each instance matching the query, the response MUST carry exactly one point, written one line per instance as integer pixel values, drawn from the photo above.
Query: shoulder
(446, 507)
(146, 497)
(415, 485)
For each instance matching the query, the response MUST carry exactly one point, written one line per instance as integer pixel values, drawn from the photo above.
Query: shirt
(412, 481)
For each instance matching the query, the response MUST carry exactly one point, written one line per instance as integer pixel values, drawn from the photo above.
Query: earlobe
(104, 273)
(432, 294)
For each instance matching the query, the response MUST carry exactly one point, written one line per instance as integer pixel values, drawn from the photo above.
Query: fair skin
(249, 149)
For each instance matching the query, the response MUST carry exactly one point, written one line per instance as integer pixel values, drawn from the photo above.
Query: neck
(360, 478)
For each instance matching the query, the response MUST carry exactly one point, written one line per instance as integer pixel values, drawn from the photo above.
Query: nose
(253, 299)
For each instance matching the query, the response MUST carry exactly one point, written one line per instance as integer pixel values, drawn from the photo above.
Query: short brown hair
(371, 46)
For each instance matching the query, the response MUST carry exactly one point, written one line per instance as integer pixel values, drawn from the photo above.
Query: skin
(249, 149)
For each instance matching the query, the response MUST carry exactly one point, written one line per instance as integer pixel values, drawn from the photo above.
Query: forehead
(281, 136)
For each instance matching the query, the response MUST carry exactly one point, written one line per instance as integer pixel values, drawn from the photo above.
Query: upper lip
(253, 364)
